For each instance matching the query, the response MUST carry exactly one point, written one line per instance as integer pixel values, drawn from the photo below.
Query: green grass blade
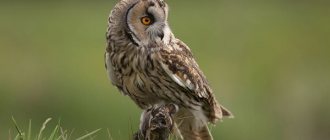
(9, 134)
(29, 130)
(52, 136)
(69, 136)
(43, 128)
(63, 134)
(87, 135)
(109, 134)
(20, 133)
(17, 137)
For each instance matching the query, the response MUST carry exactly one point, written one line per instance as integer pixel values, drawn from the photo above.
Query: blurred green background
(267, 61)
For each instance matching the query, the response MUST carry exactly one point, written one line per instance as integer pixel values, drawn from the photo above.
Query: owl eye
(146, 20)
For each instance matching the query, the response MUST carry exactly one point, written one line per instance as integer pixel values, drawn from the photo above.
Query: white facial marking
(167, 35)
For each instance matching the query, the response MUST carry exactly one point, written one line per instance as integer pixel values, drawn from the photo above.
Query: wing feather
(179, 63)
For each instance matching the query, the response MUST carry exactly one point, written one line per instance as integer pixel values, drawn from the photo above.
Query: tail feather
(226, 112)
(204, 133)
(217, 112)
(201, 133)
(191, 128)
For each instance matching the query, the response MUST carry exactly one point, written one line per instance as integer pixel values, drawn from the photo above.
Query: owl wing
(179, 64)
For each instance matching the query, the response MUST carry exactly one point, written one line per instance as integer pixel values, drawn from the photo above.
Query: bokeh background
(267, 61)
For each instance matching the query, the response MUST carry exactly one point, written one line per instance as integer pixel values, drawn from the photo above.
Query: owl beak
(161, 35)
(161, 30)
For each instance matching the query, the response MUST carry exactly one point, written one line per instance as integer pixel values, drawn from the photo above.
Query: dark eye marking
(151, 16)
(128, 30)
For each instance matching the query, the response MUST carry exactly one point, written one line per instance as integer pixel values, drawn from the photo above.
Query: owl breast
(135, 74)
(142, 78)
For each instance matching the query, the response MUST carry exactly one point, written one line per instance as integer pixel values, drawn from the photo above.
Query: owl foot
(157, 123)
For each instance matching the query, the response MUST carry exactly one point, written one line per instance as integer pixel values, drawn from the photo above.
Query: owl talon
(157, 123)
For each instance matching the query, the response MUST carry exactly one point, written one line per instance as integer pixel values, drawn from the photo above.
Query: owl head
(143, 21)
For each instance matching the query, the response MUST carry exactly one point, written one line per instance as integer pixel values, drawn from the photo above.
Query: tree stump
(157, 123)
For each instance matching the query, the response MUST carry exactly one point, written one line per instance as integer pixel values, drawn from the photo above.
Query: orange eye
(146, 20)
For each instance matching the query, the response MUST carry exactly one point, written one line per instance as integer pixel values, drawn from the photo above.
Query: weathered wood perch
(157, 123)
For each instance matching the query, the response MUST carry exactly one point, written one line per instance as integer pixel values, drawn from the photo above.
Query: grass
(57, 133)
